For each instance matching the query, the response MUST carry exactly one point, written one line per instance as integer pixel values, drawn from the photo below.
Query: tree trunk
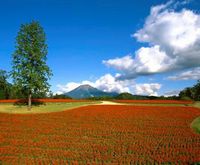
(29, 102)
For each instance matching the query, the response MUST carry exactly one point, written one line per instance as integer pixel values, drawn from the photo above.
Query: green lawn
(196, 125)
(46, 108)
(196, 122)
(197, 104)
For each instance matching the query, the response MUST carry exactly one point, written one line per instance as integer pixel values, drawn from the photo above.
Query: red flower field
(101, 134)
(156, 101)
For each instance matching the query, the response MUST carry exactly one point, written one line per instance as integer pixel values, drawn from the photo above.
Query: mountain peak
(87, 91)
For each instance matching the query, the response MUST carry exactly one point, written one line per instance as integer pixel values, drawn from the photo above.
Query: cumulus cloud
(119, 63)
(66, 88)
(106, 83)
(109, 83)
(147, 89)
(193, 74)
(174, 43)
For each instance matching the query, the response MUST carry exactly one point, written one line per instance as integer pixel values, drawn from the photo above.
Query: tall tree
(29, 69)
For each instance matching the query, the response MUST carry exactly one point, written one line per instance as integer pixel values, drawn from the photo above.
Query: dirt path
(110, 103)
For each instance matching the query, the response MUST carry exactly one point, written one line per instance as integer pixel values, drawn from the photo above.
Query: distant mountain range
(87, 91)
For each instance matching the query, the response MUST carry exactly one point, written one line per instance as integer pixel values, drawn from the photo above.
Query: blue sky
(83, 34)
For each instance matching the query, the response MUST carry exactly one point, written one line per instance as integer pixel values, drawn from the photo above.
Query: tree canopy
(29, 69)
(192, 93)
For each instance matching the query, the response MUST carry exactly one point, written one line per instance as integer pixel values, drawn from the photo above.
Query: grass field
(197, 104)
(46, 108)
(101, 134)
(196, 125)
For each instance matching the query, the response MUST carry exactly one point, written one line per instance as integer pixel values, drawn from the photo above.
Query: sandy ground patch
(110, 103)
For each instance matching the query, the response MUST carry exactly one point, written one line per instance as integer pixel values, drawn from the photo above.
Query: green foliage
(186, 94)
(5, 87)
(7, 90)
(124, 96)
(128, 96)
(191, 93)
(196, 125)
(61, 97)
(196, 91)
(29, 69)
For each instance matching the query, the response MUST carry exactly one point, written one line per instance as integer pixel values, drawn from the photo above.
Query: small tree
(29, 69)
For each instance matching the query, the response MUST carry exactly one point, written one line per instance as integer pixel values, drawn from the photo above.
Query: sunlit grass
(196, 125)
(197, 104)
(45, 108)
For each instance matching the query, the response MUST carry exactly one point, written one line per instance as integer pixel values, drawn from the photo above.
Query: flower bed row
(156, 101)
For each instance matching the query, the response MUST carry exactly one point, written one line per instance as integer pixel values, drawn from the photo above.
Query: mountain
(87, 91)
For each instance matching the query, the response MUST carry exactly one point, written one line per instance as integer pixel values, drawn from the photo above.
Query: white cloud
(66, 88)
(124, 63)
(171, 30)
(193, 74)
(147, 89)
(148, 60)
(174, 39)
(107, 83)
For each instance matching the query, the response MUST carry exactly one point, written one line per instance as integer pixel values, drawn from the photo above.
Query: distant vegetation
(61, 96)
(191, 93)
(129, 96)
(9, 91)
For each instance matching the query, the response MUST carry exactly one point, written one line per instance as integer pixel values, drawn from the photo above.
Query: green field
(46, 108)
(197, 104)
(195, 125)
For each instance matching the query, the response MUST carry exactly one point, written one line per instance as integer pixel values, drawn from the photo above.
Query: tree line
(191, 93)
(11, 91)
